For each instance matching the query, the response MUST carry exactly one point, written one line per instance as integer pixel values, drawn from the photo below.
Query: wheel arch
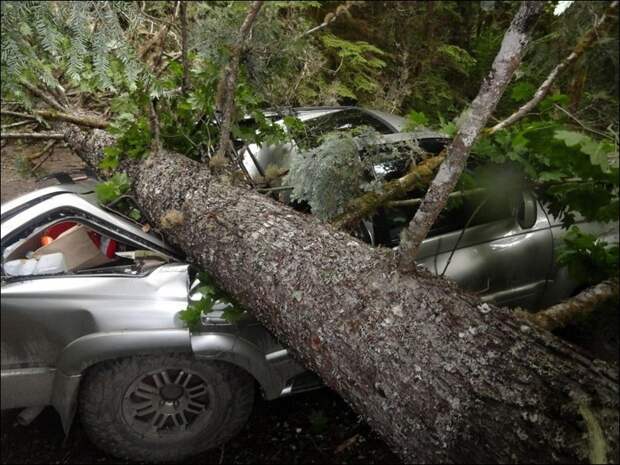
(272, 370)
(96, 348)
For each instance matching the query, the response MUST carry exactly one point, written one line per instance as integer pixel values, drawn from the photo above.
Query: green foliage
(212, 296)
(457, 58)
(415, 119)
(133, 140)
(328, 176)
(583, 171)
(83, 41)
(589, 260)
(358, 68)
(598, 151)
(522, 92)
(331, 174)
(112, 189)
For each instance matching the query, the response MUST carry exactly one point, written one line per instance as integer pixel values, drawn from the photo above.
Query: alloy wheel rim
(167, 402)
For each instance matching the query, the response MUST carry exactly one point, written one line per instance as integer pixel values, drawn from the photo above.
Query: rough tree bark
(442, 377)
(505, 64)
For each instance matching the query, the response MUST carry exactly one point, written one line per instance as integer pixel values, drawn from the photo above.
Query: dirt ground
(315, 427)
(16, 179)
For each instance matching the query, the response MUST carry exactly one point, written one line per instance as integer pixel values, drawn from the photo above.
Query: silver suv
(106, 341)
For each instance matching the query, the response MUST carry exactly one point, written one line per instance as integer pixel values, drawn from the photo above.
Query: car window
(69, 246)
(339, 121)
(474, 208)
(479, 207)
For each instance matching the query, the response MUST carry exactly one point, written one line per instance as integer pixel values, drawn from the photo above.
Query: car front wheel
(164, 408)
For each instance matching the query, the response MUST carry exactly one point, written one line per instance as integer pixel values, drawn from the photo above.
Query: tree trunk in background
(440, 376)
(226, 88)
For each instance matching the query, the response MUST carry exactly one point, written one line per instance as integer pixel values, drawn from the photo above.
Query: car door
(505, 257)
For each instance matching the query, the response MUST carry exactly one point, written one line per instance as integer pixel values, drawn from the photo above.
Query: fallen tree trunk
(440, 376)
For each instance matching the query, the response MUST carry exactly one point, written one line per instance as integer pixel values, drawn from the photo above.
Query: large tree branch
(226, 90)
(365, 205)
(586, 41)
(184, 59)
(329, 18)
(47, 98)
(506, 62)
(32, 135)
(80, 120)
(568, 311)
(17, 124)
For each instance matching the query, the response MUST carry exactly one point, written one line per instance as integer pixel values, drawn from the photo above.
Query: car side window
(63, 246)
(344, 120)
(474, 208)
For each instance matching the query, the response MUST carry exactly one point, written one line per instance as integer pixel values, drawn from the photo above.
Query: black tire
(112, 391)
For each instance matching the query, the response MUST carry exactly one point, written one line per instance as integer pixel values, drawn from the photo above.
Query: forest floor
(314, 427)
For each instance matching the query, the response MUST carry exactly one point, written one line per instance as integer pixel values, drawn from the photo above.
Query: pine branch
(42, 152)
(184, 59)
(154, 123)
(80, 120)
(17, 124)
(329, 18)
(419, 176)
(48, 151)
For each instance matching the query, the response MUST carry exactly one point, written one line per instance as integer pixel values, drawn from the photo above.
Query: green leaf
(522, 92)
(234, 315)
(570, 138)
(597, 153)
(110, 190)
(416, 119)
(135, 214)
(551, 176)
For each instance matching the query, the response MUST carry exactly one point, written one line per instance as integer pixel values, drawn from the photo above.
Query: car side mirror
(526, 215)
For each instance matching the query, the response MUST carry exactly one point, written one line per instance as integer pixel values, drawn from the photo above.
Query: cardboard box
(77, 247)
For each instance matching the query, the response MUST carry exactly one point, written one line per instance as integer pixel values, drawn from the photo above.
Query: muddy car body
(68, 338)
